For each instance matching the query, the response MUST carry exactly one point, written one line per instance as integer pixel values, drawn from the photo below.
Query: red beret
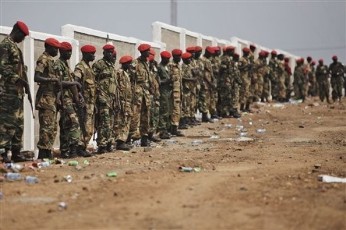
(108, 47)
(186, 55)
(313, 63)
(210, 49)
(125, 59)
(274, 52)
(143, 47)
(151, 57)
(262, 53)
(217, 48)
(52, 42)
(230, 48)
(65, 46)
(23, 27)
(177, 52)
(88, 49)
(198, 48)
(236, 55)
(321, 60)
(246, 50)
(191, 49)
(335, 57)
(165, 54)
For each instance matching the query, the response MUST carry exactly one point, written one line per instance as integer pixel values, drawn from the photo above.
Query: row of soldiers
(142, 98)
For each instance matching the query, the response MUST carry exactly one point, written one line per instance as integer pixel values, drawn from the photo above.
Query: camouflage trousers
(176, 108)
(324, 90)
(259, 88)
(266, 90)
(89, 122)
(121, 126)
(154, 114)
(234, 101)
(337, 85)
(193, 104)
(282, 87)
(104, 129)
(185, 102)
(48, 128)
(225, 96)
(244, 92)
(204, 100)
(140, 122)
(11, 121)
(165, 110)
(70, 132)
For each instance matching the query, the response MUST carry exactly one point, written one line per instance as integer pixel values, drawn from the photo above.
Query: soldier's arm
(41, 65)
(7, 69)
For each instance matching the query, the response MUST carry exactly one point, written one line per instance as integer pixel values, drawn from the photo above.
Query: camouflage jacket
(336, 69)
(187, 76)
(175, 72)
(64, 72)
(124, 91)
(322, 73)
(86, 77)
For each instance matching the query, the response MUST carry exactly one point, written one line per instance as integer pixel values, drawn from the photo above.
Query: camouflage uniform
(299, 82)
(322, 75)
(46, 102)
(140, 122)
(253, 78)
(154, 98)
(194, 88)
(237, 83)
(215, 63)
(281, 84)
(274, 80)
(207, 88)
(69, 124)
(123, 116)
(245, 94)
(87, 78)
(313, 86)
(11, 96)
(225, 86)
(105, 76)
(187, 85)
(337, 79)
(175, 72)
(288, 74)
(262, 71)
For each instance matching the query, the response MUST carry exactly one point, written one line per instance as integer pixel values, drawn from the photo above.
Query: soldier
(312, 85)
(216, 62)
(336, 70)
(225, 84)
(154, 97)
(13, 85)
(188, 82)
(237, 83)
(68, 102)
(46, 97)
(166, 95)
(253, 74)
(299, 80)
(84, 74)
(322, 77)
(124, 114)
(287, 74)
(267, 78)
(175, 72)
(261, 72)
(274, 80)
(141, 110)
(105, 76)
(245, 94)
(280, 70)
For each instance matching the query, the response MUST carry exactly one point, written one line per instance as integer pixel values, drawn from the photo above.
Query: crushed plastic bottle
(137, 143)
(189, 169)
(214, 137)
(228, 126)
(31, 180)
(196, 142)
(243, 134)
(261, 130)
(112, 174)
(14, 167)
(171, 141)
(62, 206)
(73, 163)
(68, 178)
(43, 164)
(13, 176)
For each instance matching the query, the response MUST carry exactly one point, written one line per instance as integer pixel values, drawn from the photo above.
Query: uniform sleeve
(7, 69)
(41, 64)
(78, 74)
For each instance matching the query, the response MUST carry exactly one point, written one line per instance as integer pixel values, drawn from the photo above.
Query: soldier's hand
(79, 86)
(81, 102)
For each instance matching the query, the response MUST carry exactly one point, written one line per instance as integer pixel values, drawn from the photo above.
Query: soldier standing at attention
(322, 75)
(245, 96)
(46, 97)
(123, 117)
(336, 70)
(84, 74)
(12, 89)
(105, 78)
(141, 107)
(299, 80)
(166, 90)
(68, 101)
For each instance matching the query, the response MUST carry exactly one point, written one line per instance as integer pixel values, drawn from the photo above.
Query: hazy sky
(315, 28)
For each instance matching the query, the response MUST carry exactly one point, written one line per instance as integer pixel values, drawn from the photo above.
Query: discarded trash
(228, 126)
(62, 206)
(331, 179)
(243, 134)
(214, 137)
(86, 162)
(43, 164)
(214, 120)
(242, 139)
(261, 130)
(13, 176)
(278, 105)
(137, 143)
(294, 102)
(171, 141)
(189, 169)
(250, 123)
(112, 174)
(31, 180)
(68, 178)
(14, 167)
(73, 163)
(196, 142)
(239, 127)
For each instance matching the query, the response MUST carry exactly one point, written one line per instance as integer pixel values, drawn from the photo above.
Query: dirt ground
(258, 181)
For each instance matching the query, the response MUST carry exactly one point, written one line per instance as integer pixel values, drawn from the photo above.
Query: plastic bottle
(31, 179)
(13, 176)
(73, 163)
(112, 174)
(43, 164)
(196, 142)
(261, 130)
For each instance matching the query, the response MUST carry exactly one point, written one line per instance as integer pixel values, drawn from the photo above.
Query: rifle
(24, 79)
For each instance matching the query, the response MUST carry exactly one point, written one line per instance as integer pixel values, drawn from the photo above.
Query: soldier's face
(108, 55)
(176, 59)
(19, 37)
(145, 54)
(65, 54)
(52, 51)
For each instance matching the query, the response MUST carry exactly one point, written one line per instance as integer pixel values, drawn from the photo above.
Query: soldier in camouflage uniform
(322, 77)
(299, 80)
(166, 93)
(46, 98)
(188, 82)
(274, 80)
(13, 85)
(280, 70)
(105, 77)
(336, 70)
(288, 74)
(253, 75)
(175, 72)
(124, 114)
(198, 73)
(207, 86)
(245, 94)
(237, 83)
(313, 87)
(68, 101)
(154, 97)
(84, 74)
(141, 111)
(261, 72)
(216, 62)
(267, 78)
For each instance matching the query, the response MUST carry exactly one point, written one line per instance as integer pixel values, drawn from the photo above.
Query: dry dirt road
(268, 182)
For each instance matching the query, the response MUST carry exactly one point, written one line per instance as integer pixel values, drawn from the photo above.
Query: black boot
(234, 113)
(42, 154)
(153, 138)
(183, 123)
(176, 132)
(73, 152)
(242, 107)
(164, 135)
(81, 151)
(101, 150)
(109, 147)
(5, 158)
(65, 154)
(247, 108)
(121, 145)
(145, 141)
(16, 156)
(205, 117)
